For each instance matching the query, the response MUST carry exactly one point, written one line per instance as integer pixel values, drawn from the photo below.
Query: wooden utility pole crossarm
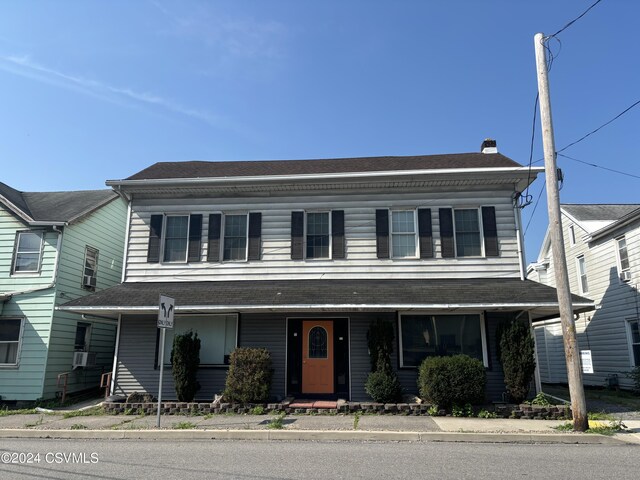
(574, 373)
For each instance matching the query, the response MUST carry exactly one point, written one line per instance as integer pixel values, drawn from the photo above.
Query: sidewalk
(304, 427)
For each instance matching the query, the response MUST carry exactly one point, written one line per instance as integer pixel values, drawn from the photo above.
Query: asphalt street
(126, 459)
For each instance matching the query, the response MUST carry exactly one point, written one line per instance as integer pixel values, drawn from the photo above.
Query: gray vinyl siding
(603, 331)
(360, 238)
(268, 331)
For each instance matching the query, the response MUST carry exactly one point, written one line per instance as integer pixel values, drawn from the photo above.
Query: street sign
(165, 312)
(587, 362)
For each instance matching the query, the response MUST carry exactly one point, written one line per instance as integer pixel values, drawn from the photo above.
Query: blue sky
(96, 90)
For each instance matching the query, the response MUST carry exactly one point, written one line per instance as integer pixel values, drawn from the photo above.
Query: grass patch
(600, 416)
(277, 422)
(78, 426)
(257, 410)
(597, 427)
(89, 412)
(621, 398)
(184, 426)
(40, 421)
(356, 419)
(4, 412)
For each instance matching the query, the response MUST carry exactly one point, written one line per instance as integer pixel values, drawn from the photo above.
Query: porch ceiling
(502, 294)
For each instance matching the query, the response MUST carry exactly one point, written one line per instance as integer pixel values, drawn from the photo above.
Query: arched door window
(318, 343)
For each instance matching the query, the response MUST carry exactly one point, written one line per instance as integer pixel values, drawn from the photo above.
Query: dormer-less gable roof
(595, 217)
(200, 169)
(210, 178)
(53, 207)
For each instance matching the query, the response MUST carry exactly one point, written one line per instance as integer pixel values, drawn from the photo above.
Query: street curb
(318, 435)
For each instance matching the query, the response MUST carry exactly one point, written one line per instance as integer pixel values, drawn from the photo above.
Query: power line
(599, 166)
(527, 198)
(575, 19)
(534, 208)
(600, 127)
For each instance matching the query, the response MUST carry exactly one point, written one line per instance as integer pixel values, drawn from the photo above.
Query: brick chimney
(489, 146)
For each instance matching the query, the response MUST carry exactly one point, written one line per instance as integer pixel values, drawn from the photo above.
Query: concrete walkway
(303, 427)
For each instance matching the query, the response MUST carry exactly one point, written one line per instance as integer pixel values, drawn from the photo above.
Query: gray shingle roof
(595, 212)
(324, 294)
(56, 206)
(200, 169)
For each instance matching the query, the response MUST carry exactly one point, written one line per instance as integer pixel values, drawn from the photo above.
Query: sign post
(166, 308)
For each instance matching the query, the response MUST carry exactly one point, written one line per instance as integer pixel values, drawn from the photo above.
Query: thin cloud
(25, 67)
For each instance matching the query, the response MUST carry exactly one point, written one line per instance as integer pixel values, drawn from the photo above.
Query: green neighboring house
(55, 247)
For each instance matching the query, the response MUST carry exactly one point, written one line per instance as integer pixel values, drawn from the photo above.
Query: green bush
(185, 360)
(383, 384)
(249, 376)
(380, 342)
(445, 381)
(517, 356)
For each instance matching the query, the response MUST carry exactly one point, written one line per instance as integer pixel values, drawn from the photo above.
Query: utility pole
(574, 373)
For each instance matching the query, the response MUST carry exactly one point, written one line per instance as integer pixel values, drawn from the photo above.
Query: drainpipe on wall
(521, 259)
(535, 353)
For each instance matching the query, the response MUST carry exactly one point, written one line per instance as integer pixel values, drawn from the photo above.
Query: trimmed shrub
(383, 384)
(446, 381)
(185, 360)
(249, 376)
(517, 356)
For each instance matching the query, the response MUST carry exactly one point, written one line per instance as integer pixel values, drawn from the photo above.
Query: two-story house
(55, 247)
(602, 245)
(302, 256)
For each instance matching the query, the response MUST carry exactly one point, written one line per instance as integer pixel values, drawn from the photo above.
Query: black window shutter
(195, 237)
(337, 234)
(255, 235)
(297, 235)
(382, 233)
(447, 246)
(155, 234)
(490, 231)
(426, 233)
(213, 249)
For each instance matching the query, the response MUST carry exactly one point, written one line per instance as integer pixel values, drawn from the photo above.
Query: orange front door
(317, 356)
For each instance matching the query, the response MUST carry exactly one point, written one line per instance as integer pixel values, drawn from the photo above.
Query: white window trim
(579, 275)
(483, 332)
(164, 237)
(87, 336)
(480, 231)
(415, 233)
(20, 335)
(572, 235)
(630, 344)
(167, 355)
(39, 233)
(222, 236)
(618, 259)
(318, 259)
(84, 265)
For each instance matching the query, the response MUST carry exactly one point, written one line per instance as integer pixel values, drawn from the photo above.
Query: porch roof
(478, 294)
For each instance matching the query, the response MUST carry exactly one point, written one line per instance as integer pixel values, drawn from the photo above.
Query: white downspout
(115, 357)
(521, 259)
(126, 239)
(535, 353)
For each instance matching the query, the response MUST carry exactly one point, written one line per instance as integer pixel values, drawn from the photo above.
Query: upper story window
(572, 235)
(28, 252)
(403, 233)
(10, 335)
(235, 237)
(176, 234)
(582, 274)
(623, 255)
(467, 233)
(318, 235)
(90, 271)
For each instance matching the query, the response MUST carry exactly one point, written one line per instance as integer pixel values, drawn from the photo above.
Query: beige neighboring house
(602, 245)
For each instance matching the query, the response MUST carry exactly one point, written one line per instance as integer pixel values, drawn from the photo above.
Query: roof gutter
(583, 306)
(320, 176)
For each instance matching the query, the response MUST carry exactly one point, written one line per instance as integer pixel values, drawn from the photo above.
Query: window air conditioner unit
(84, 359)
(89, 281)
(625, 276)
